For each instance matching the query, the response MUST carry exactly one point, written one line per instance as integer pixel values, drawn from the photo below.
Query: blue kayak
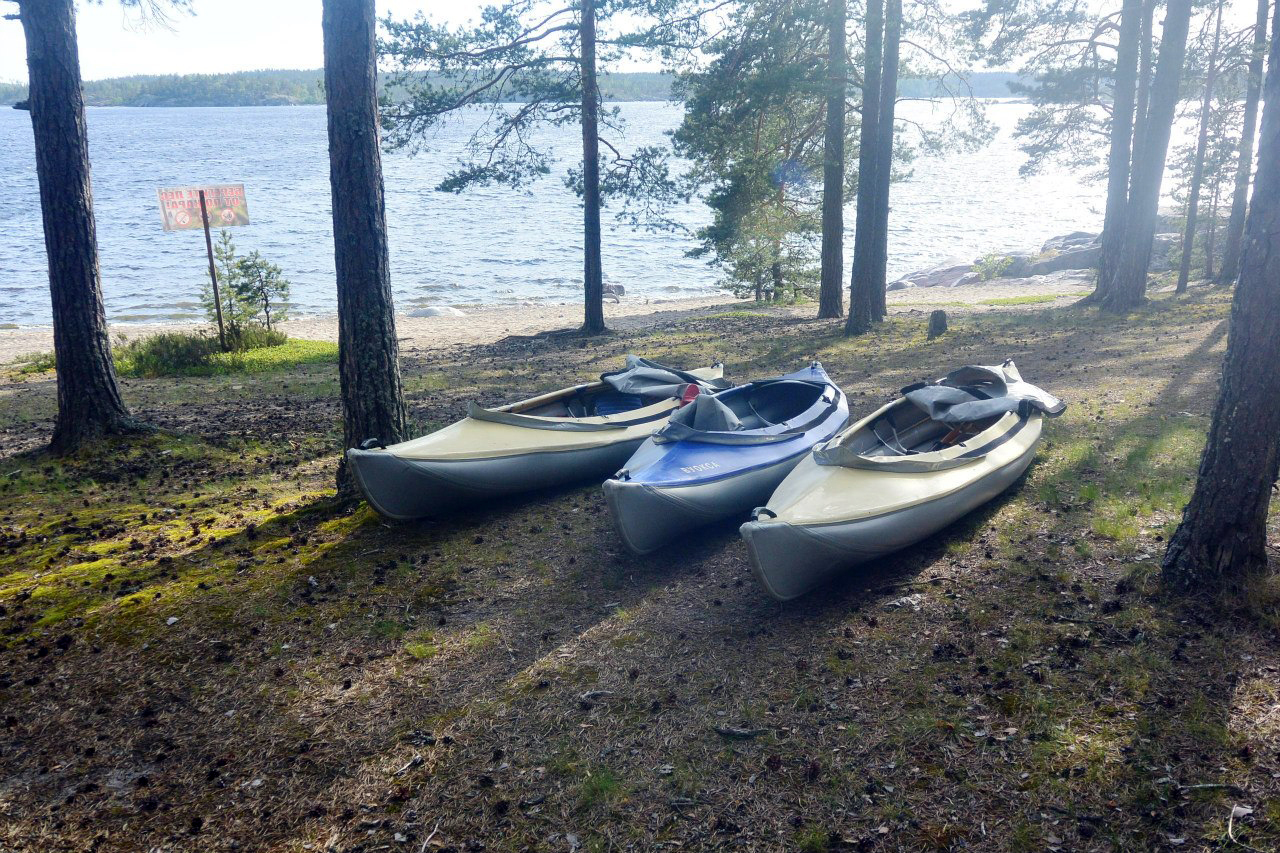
(722, 455)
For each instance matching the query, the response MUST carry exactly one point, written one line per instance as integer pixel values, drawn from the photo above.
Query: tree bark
(368, 352)
(831, 289)
(1129, 285)
(1244, 164)
(1123, 101)
(861, 281)
(1223, 535)
(592, 268)
(1197, 168)
(884, 144)
(89, 402)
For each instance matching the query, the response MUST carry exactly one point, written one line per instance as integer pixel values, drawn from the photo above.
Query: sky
(222, 35)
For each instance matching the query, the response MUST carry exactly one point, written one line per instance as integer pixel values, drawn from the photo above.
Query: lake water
(490, 245)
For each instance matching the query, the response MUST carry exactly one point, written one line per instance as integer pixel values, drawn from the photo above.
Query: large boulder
(946, 274)
(1070, 242)
(1164, 249)
(1019, 265)
(1082, 258)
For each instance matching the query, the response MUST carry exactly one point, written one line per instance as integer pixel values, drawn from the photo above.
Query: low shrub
(992, 265)
(253, 350)
(164, 354)
(33, 363)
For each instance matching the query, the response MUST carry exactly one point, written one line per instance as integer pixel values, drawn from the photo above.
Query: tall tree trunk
(592, 268)
(368, 353)
(861, 281)
(1197, 169)
(89, 403)
(831, 290)
(1129, 286)
(775, 273)
(1123, 100)
(1223, 535)
(1244, 164)
(1146, 67)
(1211, 232)
(884, 144)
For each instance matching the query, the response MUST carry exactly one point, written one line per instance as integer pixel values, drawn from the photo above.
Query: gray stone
(946, 274)
(937, 324)
(1070, 242)
(1076, 259)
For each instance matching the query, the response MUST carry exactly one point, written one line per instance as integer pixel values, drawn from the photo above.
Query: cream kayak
(898, 475)
(556, 438)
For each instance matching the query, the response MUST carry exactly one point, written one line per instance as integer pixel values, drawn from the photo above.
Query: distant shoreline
(304, 87)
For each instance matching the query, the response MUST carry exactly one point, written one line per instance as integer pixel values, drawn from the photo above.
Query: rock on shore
(1079, 250)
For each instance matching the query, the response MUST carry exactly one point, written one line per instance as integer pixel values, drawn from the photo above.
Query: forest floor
(201, 651)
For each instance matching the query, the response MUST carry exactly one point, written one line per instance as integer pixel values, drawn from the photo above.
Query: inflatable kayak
(722, 455)
(561, 437)
(897, 476)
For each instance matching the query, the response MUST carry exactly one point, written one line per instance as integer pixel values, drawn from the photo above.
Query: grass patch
(200, 354)
(600, 788)
(1032, 299)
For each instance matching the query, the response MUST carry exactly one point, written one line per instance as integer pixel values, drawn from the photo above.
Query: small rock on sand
(437, 311)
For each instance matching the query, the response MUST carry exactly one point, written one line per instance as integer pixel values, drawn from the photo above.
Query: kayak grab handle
(371, 443)
(762, 510)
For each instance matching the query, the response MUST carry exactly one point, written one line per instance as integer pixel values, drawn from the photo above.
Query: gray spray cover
(651, 379)
(976, 392)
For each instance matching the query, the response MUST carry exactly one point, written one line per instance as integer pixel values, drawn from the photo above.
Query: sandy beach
(487, 323)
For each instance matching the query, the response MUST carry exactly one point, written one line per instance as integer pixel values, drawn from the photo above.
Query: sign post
(213, 271)
(225, 202)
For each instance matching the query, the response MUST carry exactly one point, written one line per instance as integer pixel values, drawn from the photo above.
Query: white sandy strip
(485, 324)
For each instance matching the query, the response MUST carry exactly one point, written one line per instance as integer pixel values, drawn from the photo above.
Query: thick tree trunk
(89, 403)
(592, 268)
(861, 281)
(831, 289)
(884, 156)
(1244, 164)
(775, 273)
(368, 353)
(1129, 285)
(1123, 100)
(1223, 535)
(1197, 169)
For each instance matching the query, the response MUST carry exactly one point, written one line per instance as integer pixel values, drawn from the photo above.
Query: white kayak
(897, 476)
(561, 437)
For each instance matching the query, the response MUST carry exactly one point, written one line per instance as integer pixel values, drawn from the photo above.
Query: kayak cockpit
(905, 429)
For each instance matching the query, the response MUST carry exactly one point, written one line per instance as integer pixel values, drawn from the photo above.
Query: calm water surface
(490, 245)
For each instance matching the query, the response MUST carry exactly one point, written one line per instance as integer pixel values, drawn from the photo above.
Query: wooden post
(213, 272)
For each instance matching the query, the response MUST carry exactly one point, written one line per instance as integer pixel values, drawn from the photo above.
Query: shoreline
(488, 323)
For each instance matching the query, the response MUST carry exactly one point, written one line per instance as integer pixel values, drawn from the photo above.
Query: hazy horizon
(222, 37)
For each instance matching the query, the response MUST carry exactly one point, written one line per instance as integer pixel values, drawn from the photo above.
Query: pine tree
(368, 351)
(89, 401)
(1222, 540)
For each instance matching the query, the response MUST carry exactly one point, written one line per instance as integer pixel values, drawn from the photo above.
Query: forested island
(276, 88)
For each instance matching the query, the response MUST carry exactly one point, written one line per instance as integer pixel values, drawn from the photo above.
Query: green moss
(600, 788)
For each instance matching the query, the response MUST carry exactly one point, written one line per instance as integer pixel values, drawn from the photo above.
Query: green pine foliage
(254, 293)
